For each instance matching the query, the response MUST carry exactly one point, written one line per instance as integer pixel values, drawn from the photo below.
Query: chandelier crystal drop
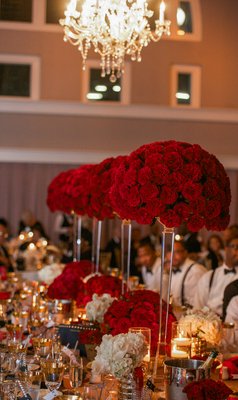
(114, 29)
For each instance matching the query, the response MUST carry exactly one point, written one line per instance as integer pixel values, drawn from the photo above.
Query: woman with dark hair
(214, 256)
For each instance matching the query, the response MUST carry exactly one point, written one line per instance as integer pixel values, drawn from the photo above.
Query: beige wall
(61, 73)
(61, 80)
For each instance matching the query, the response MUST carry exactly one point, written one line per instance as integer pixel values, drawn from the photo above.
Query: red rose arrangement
(175, 181)
(57, 198)
(70, 282)
(137, 308)
(207, 389)
(99, 204)
(100, 284)
(70, 190)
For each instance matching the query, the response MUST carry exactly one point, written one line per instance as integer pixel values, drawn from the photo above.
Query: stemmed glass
(76, 372)
(53, 371)
(90, 392)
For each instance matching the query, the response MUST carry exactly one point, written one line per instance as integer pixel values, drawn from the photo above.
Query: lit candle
(147, 357)
(175, 353)
(161, 12)
(182, 342)
(181, 347)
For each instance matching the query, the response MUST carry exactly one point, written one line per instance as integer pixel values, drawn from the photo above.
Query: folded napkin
(232, 365)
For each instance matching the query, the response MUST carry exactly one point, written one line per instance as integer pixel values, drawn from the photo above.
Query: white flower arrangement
(205, 324)
(119, 355)
(99, 305)
(48, 273)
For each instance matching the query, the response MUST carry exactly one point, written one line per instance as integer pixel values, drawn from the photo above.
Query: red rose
(213, 209)
(168, 195)
(195, 223)
(173, 160)
(193, 171)
(170, 219)
(148, 192)
(145, 175)
(192, 191)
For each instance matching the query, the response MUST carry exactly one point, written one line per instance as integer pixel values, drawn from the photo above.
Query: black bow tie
(148, 270)
(230, 271)
(175, 270)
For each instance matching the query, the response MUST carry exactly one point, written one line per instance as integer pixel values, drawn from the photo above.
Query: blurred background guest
(185, 275)
(150, 266)
(85, 247)
(28, 222)
(64, 228)
(214, 256)
(114, 247)
(5, 259)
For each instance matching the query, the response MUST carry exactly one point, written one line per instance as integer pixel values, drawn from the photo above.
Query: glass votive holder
(181, 340)
(146, 332)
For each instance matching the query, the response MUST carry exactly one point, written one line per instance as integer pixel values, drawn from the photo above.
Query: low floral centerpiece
(119, 355)
(137, 308)
(70, 283)
(99, 284)
(99, 305)
(205, 324)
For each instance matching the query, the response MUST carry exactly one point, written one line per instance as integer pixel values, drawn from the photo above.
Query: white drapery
(23, 186)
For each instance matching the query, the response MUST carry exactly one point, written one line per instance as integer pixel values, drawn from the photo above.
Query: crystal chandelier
(114, 28)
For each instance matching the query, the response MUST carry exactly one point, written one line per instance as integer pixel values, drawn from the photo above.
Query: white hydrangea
(119, 355)
(48, 273)
(99, 305)
(204, 324)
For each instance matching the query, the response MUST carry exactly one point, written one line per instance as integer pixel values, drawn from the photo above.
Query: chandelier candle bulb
(161, 12)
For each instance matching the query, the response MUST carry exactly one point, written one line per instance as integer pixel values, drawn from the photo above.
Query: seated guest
(210, 288)
(63, 227)
(185, 275)
(85, 248)
(134, 264)
(114, 247)
(29, 222)
(230, 232)
(151, 267)
(214, 256)
(5, 260)
(230, 303)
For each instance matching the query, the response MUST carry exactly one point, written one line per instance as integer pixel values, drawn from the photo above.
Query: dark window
(184, 17)
(15, 80)
(55, 10)
(101, 89)
(183, 94)
(16, 10)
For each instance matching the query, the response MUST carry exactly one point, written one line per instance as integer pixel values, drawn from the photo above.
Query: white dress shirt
(190, 282)
(232, 311)
(152, 279)
(213, 297)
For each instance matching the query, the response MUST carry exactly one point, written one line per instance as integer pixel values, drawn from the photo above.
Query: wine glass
(53, 371)
(76, 372)
(90, 392)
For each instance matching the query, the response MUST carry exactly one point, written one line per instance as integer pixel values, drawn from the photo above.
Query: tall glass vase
(162, 347)
(77, 226)
(125, 253)
(96, 243)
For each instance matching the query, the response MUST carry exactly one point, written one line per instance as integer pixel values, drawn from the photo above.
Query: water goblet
(53, 372)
